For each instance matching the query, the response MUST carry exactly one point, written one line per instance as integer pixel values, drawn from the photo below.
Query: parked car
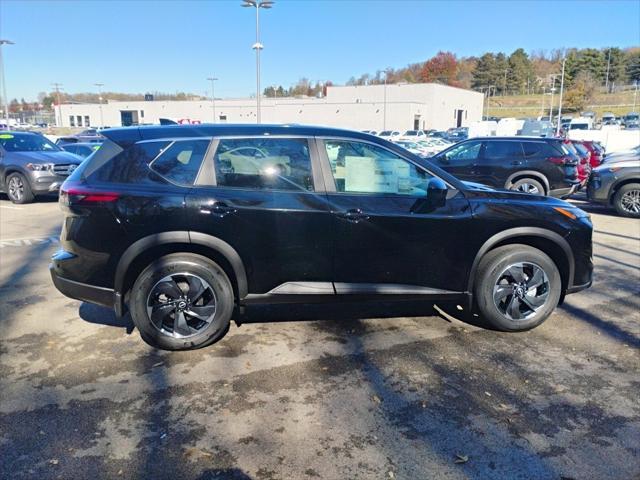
(617, 185)
(414, 135)
(541, 166)
(533, 128)
(31, 165)
(631, 118)
(621, 154)
(91, 135)
(581, 123)
(389, 134)
(608, 118)
(584, 164)
(180, 221)
(81, 149)
(596, 150)
(370, 132)
(414, 147)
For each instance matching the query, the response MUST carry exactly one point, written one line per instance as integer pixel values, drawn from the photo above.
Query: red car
(584, 165)
(597, 152)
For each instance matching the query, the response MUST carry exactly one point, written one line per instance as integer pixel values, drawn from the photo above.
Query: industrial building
(369, 107)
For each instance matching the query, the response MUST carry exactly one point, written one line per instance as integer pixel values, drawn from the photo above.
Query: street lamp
(4, 81)
(213, 96)
(258, 4)
(100, 85)
(564, 60)
(384, 101)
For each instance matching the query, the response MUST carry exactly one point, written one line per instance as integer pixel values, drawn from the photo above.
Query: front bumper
(82, 291)
(45, 182)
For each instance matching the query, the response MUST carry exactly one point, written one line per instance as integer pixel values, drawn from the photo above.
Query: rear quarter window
(130, 165)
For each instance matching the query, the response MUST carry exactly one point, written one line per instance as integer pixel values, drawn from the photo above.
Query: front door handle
(516, 162)
(220, 209)
(354, 215)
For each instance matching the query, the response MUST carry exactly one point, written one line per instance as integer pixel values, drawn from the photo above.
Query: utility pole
(606, 84)
(213, 97)
(4, 82)
(57, 87)
(564, 60)
(100, 85)
(635, 95)
(384, 102)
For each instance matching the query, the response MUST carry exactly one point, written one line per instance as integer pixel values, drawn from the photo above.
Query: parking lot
(346, 391)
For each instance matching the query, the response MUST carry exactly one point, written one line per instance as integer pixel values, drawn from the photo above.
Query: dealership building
(370, 107)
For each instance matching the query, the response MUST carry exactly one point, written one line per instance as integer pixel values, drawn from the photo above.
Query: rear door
(499, 159)
(259, 195)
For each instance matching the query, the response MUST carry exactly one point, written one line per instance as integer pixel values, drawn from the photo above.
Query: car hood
(43, 157)
(627, 163)
(478, 190)
(478, 186)
(620, 157)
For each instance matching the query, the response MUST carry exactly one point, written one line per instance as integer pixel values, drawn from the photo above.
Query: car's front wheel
(517, 287)
(182, 301)
(18, 189)
(627, 200)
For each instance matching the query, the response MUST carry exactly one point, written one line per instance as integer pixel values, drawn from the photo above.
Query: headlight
(38, 167)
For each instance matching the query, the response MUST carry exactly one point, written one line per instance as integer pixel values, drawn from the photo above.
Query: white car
(414, 135)
(389, 134)
(413, 147)
(431, 147)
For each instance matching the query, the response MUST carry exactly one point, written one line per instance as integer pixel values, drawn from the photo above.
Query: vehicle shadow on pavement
(99, 315)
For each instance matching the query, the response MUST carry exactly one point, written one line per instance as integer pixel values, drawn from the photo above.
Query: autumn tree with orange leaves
(442, 68)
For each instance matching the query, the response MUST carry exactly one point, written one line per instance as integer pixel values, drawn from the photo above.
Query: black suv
(541, 166)
(181, 224)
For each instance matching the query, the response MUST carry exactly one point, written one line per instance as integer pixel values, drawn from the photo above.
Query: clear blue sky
(138, 46)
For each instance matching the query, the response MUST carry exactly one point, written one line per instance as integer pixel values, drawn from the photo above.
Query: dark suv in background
(181, 224)
(542, 166)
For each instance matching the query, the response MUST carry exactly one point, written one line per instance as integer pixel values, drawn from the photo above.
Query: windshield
(411, 133)
(26, 142)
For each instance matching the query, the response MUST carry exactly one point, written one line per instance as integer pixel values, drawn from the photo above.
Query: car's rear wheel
(517, 287)
(627, 200)
(18, 189)
(182, 301)
(528, 185)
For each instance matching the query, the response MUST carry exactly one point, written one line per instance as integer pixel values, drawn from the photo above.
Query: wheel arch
(519, 175)
(142, 252)
(619, 184)
(545, 240)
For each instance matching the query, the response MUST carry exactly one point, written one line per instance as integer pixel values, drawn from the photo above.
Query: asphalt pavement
(379, 391)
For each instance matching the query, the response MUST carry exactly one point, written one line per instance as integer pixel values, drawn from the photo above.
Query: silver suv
(31, 165)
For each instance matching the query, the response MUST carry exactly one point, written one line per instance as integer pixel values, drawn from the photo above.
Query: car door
(460, 160)
(388, 236)
(497, 161)
(259, 196)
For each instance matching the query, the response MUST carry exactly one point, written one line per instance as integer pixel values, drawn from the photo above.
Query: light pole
(635, 95)
(258, 4)
(213, 97)
(4, 81)
(384, 102)
(564, 60)
(100, 85)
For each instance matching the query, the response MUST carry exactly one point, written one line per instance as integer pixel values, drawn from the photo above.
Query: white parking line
(26, 242)
(10, 208)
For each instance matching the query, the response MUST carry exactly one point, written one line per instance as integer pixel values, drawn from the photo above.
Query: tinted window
(365, 168)
(502, 151)
(26, 142)
(264, 163)
(180, 162)
(464, 153)
(128, 166)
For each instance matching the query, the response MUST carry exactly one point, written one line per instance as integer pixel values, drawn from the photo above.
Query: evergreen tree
(520, 72)
(484, 74)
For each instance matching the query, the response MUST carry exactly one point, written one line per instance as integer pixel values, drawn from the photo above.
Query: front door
(388, 237)
(261, 200)
(461, 159)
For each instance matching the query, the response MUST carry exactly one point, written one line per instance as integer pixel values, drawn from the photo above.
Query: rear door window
(264, 163)
(498, 151)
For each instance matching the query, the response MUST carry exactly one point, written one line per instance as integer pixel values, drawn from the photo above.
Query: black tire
(491, 282)
(19, 189)
(528, 185)
(180, 267)
(626, 200)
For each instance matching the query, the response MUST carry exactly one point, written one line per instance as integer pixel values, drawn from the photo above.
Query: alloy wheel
(528, 188)
(181, 305)
(521, 290)
(16, 188)
(630, 201)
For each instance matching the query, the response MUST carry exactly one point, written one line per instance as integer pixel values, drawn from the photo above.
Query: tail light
(564, 160)
(74, 194)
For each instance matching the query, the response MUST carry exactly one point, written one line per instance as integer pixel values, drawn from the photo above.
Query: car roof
(133, 134)
(516, 138)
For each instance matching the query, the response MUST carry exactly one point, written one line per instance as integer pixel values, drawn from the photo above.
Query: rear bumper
(82, 291)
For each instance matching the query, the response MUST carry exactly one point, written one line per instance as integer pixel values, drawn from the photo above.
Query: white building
(401, 107)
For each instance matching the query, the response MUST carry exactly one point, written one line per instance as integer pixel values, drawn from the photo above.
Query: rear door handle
(219, 209)
(354, 215)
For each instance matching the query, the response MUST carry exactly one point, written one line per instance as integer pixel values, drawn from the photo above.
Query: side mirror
(436, 192)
